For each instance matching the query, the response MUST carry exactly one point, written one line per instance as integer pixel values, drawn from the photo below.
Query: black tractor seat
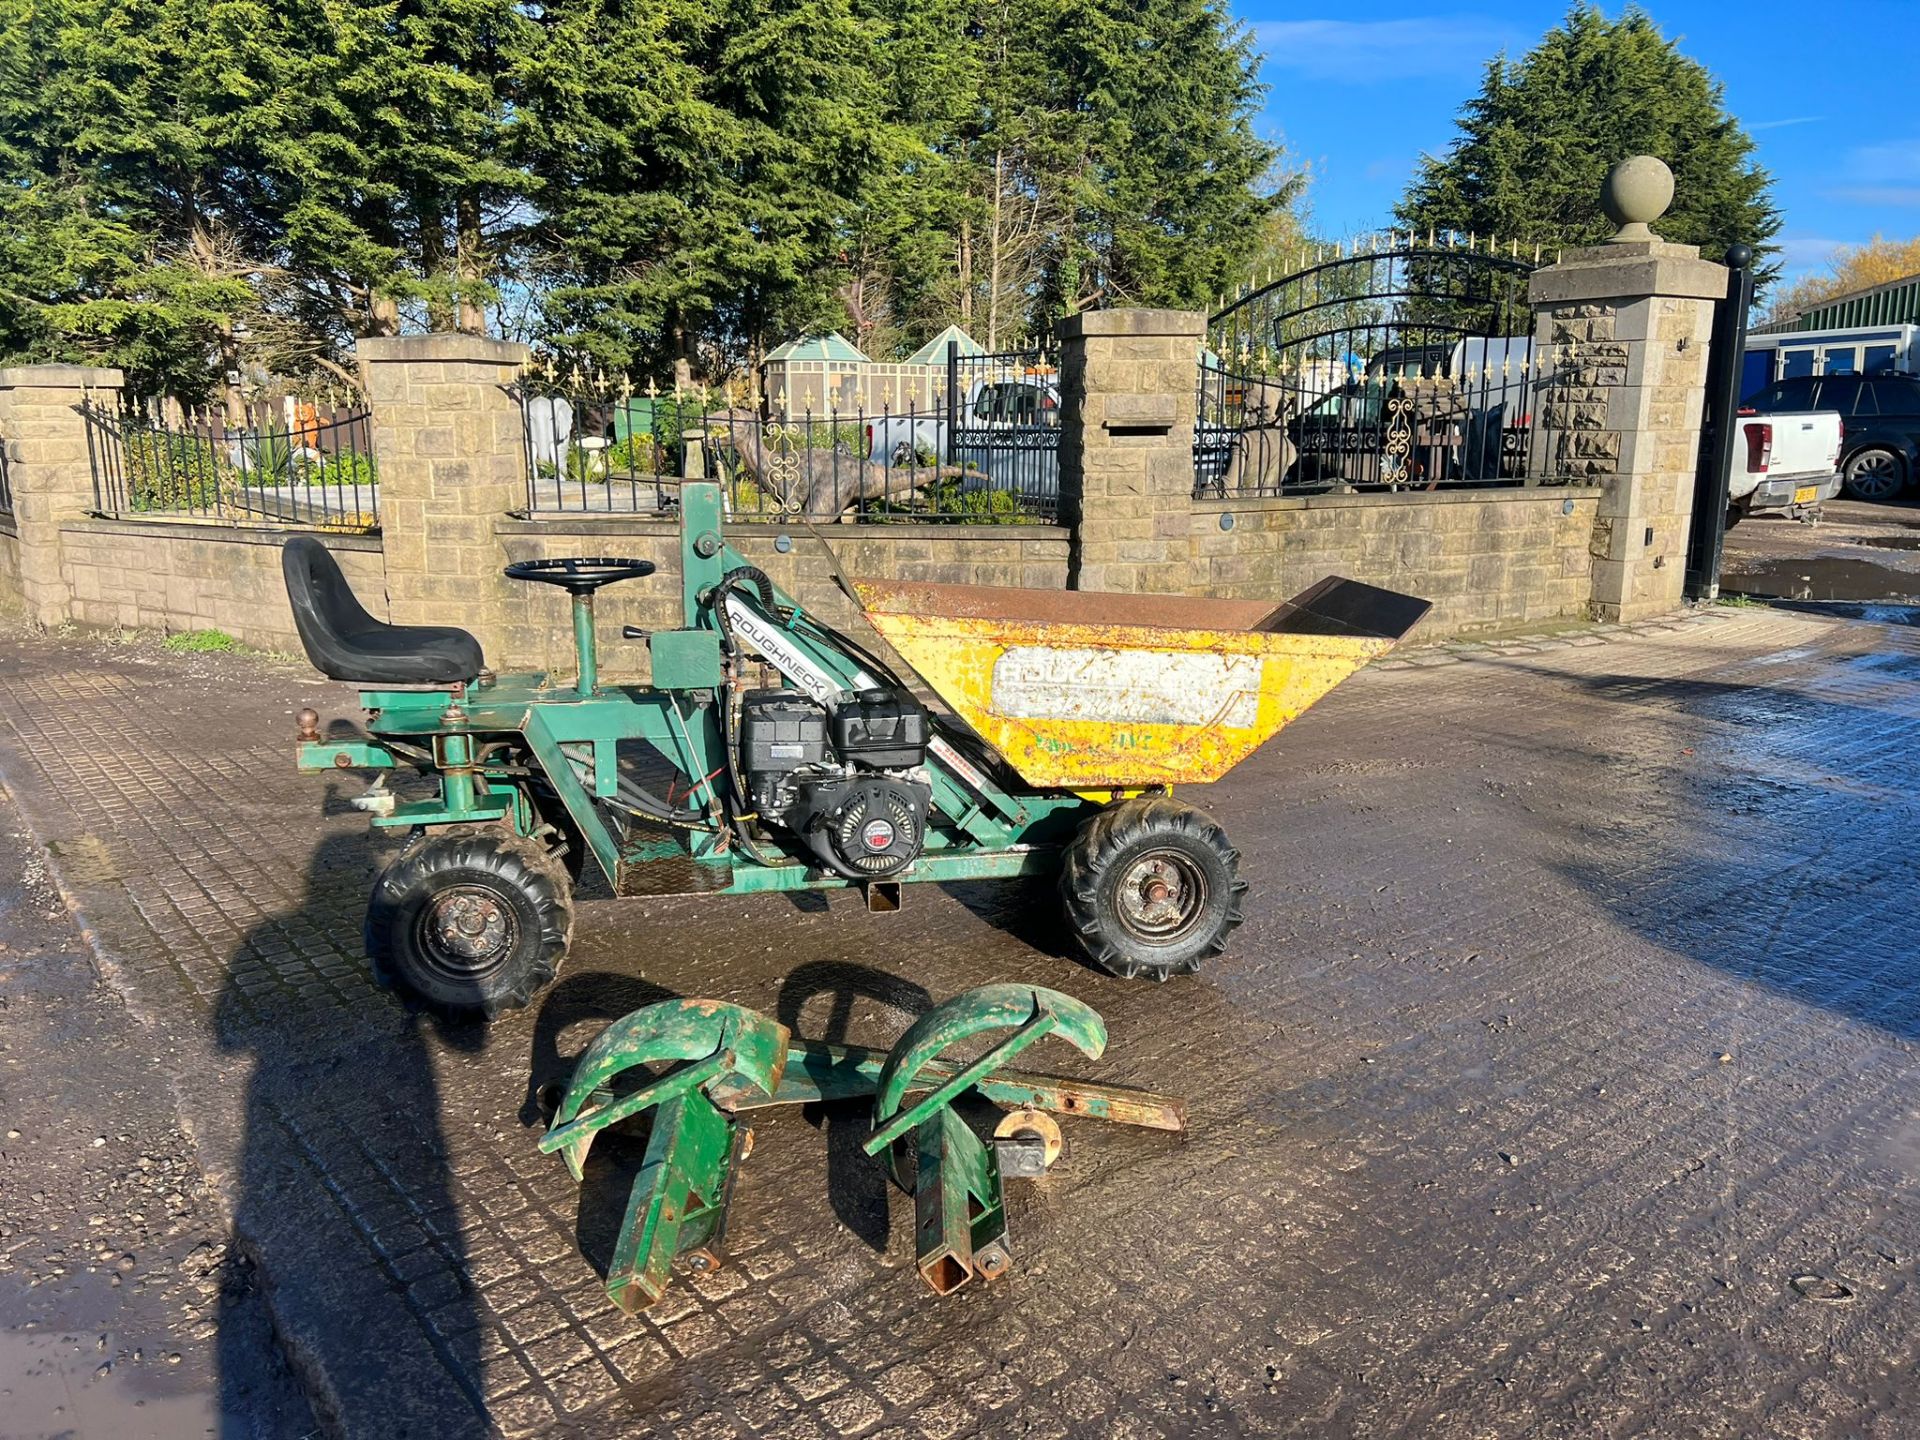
(344, 642)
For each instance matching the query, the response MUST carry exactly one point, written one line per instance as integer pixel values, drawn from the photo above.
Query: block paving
(1562, 1080)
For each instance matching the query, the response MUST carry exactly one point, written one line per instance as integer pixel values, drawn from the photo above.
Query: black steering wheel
(579, 574)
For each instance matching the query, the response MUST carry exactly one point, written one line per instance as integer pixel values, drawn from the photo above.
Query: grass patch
(199, 642)
(1741, 602)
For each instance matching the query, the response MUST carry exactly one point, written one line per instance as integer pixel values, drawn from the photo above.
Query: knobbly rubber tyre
(470, 921)
(1112, 866)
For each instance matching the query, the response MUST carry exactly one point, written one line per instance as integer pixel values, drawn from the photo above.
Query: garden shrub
(168, 471)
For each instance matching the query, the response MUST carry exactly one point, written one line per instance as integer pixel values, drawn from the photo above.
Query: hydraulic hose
(730, 582)
(739, 803)
(632, 796)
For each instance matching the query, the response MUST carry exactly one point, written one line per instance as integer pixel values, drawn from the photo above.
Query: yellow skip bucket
(1082, 690)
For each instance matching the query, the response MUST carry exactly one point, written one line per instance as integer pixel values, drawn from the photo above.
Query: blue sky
(1359, 93)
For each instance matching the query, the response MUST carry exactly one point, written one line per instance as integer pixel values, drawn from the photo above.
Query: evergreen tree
(664, 181)
(1537, 141)
(697, 167)
(392, 194)
(127, 196)
(310, 168)
(1150, 129)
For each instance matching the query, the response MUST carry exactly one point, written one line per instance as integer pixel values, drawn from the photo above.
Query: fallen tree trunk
(819, 484)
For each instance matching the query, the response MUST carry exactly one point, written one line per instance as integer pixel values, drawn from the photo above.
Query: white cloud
(1782, 124)
(1802, 252)
(1361, 51)
(1895, 163)
(1900, 195)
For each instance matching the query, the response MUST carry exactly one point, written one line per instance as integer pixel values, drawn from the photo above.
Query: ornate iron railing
(292, 464)
(6, 479)
(1408, 365)
(985, 452)
(1006, 426)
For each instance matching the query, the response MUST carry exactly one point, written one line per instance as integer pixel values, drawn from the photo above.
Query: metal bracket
(679, 1200)
(724, 1059)
(960, 1209)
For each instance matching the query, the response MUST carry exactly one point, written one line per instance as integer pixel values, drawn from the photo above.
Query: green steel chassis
(485, 741)
(506, 749)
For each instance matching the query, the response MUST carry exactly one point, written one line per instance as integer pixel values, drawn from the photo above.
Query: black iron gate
(1407, 365)
(1726, 359)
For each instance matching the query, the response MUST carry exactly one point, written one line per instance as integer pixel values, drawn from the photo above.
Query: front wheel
(1151, 888)
(1874, 475)
(470, 921)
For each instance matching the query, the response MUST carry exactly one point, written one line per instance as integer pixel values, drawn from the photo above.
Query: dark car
(1880, 454)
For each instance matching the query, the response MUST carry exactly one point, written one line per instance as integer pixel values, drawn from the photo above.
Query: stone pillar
(1623, 328)
(449, 439)
(49, 470)
(1128, 387)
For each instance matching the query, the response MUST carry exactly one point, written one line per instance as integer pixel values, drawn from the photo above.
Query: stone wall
(1500, 560)
(538, 635)
(1128, 394)
(9, 562)
(1626, 323)
(48, 471)
(1493, 560)
(449, 437)
(1627, 326)
(126, 574)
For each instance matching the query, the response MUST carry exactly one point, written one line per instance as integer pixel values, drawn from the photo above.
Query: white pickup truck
(1783, 464)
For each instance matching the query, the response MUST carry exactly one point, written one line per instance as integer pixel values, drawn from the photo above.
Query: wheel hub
(1159, 895)
(469, 924)
(1874, 475)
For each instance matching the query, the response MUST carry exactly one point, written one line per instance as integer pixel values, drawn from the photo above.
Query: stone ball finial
(1637, 192)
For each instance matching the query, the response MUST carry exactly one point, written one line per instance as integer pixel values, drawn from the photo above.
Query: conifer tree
(1537, 141)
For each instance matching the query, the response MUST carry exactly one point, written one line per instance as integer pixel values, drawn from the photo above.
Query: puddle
(1822, 577)
(50, 1386)
(1855, 610)
(1889, 542)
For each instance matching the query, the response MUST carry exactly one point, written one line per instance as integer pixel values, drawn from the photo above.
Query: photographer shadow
(573, 1013)
(344, 1192)
(857, 1184)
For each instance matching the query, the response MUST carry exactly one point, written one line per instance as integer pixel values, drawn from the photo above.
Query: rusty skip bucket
(1083, 690)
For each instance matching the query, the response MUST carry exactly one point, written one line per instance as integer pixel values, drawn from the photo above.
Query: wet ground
(116, 1278)
(1563, 1080)
(1860, 552)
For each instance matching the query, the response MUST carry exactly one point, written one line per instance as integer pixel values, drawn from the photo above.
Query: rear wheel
(1874, 474)
(1151, 888)
(470, 921)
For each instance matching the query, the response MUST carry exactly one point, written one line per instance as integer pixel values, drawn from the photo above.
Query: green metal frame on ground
(705, 1063)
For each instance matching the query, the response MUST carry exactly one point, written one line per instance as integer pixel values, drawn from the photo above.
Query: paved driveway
(1561, 1082)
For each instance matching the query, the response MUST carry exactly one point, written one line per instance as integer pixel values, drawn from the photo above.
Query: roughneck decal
(787, 658)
